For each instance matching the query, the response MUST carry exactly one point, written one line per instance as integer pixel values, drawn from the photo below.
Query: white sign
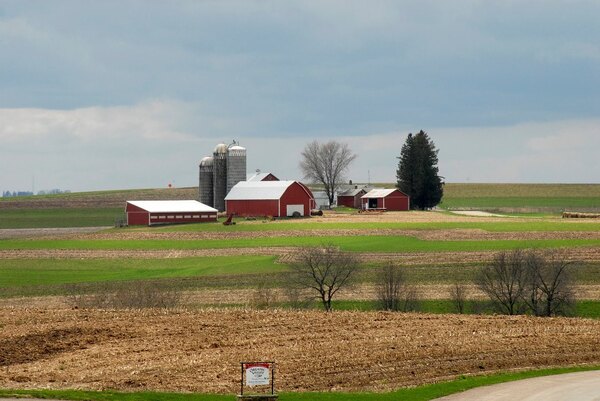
(257, 374)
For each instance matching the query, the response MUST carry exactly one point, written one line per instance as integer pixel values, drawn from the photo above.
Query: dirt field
(201, 351)
(286, 255)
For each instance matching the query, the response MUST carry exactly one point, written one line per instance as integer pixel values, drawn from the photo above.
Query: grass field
(51, 272)
(542, 197)
(371, 243)
(55, 217)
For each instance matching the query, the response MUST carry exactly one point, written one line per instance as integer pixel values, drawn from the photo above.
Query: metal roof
(172, 206)
(351, 192)
(258, 177)
(258, 190)
(378, 193)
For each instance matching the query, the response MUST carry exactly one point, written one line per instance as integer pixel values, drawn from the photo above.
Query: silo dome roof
(221, 148)
(206, 161)
(237, 147)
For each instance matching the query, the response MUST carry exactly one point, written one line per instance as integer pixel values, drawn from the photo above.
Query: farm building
(321, 200)
(351, 197)
(263, 177)
(385, 199)
(147, 213)
(269, 198)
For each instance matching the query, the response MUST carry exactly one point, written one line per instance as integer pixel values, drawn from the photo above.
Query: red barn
(263, 177)
(147, 213)
(269, 198)
(386, 199)
(351, 197)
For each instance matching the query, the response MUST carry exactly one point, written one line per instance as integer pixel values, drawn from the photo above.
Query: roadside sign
(257, 374)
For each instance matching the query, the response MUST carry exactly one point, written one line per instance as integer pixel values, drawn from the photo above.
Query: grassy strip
(53, 218)
(584, 309)
(48, 272)
(421, 393)
(521, 202)
(510, 225)
(372, 243)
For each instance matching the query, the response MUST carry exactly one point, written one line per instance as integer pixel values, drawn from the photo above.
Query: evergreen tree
(417, 174)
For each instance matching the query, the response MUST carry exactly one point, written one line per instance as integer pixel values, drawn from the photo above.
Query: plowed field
(201, 351)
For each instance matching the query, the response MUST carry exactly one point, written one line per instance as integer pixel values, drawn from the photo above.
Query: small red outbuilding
(351, 197)
(147, 213)
(385, 199)
(269, 198)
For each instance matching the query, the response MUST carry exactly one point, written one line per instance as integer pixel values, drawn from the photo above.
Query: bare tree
(393, 291)
(326, 164)
(390, 287)
(458, 295)
(325, 270)
(549, 288)
(503, 281)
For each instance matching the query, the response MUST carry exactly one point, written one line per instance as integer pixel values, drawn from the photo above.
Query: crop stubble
(201, 351)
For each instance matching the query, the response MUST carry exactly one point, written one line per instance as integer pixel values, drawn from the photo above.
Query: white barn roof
(378, 193)
(172, 206)
(258, 177)
(258, 190)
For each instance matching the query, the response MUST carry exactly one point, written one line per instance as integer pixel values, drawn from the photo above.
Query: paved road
(581, 386)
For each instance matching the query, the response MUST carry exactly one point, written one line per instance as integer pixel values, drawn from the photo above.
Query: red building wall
(137, 216)
(270, 177)
(397, 201)
(256, 208)
(295, 194)
(345, 201)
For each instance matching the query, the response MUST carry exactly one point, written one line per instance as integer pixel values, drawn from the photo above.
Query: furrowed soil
(200, 351)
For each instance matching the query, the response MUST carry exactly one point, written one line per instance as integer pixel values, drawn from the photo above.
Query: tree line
(538, 283)
(417, 173)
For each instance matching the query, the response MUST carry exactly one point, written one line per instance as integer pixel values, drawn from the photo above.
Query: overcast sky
(132, 94)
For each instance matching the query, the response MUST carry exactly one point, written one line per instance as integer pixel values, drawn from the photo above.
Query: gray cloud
(91, 81)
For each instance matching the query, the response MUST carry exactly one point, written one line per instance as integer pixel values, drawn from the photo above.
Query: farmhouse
(168, 212)
(351, 197)
(385, 199)
(269, 198)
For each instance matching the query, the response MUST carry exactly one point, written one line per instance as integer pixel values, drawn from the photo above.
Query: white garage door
(295, 208)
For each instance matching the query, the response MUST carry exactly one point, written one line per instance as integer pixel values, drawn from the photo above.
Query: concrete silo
(205, 187)
(220, 176)
(236, 165)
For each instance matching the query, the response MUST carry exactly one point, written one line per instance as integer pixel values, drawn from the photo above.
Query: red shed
(147, 213)
(351, 197)
(386, 199)
(269, 198)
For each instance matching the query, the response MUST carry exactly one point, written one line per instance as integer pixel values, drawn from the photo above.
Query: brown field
(96, 199)
(200, 351)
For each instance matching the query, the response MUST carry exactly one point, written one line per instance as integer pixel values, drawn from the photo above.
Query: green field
(51, 272)
(50, 218)
(542, 197)
(508, 225)
(368, 243)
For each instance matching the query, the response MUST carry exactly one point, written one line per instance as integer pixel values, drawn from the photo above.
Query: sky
(132, 94)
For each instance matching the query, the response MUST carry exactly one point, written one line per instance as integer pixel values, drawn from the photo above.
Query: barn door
(290, 209)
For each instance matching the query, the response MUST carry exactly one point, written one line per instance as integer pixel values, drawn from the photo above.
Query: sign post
(258, 374)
